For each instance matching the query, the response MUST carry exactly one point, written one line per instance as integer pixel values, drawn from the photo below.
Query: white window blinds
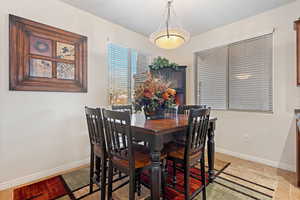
(250, 74)
(237, 76)
(211, 85)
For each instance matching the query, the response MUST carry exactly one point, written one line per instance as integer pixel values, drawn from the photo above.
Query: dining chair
(185, 109)
(188, 155)
(122, 108)
(129, 158)
(98, 157)
(129, 108)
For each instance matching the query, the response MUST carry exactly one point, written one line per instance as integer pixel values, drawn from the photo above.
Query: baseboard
(42, 174)
(257, 159)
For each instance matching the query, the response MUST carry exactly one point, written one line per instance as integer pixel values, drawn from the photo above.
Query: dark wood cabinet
(177, 79)
(297, 28)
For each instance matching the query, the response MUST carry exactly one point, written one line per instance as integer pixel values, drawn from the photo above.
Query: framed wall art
(44, 58)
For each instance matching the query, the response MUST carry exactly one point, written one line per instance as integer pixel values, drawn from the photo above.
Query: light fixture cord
(168, 18)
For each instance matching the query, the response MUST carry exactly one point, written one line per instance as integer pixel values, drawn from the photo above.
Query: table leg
(103, 177)
(211, 151)
(155, 175)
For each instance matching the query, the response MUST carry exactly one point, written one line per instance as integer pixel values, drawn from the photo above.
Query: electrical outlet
(246, 138)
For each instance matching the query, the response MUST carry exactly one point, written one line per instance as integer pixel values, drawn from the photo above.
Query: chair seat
(176, 150)
(141, 155)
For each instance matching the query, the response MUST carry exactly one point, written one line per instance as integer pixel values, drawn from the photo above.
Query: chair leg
(186, 183)
(135, 184)
(91, 170)
(103, 178)
(203, 179)
(110, 180)
(164, 180)
(138, 184)
(97, 169)
(131, 186)
(174, 174)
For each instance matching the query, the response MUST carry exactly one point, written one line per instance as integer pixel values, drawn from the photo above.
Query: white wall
(267, 138)
(45, 132)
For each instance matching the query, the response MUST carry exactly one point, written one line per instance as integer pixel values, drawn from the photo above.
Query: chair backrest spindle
(185, 109)
(122, 108)
(95, 125)
(118, 135)
(197, 131)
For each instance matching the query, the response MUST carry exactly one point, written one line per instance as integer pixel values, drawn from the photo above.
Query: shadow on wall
(289, 153)
(76, 135)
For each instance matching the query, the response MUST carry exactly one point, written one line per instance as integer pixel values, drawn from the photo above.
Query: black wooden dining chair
(129, 158)
(98, 157)
(185, 109)
(122, 108)
(128, 108)
(188, 155)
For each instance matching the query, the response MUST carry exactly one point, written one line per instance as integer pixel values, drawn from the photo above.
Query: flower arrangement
(154, 96)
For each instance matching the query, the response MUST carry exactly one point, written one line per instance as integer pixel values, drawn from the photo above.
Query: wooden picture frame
(45, 58)
(297, 29)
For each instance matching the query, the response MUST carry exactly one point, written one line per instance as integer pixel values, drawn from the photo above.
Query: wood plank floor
(285, 188)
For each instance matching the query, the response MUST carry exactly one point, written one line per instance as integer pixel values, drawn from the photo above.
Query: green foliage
(161, 63)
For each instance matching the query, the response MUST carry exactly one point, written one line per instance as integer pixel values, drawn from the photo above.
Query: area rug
(70, 186)
(75, 186)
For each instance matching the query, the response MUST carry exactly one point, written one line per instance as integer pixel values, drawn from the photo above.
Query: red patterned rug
(177, 192)
(69, 186)
(52, 188)
(74, 186)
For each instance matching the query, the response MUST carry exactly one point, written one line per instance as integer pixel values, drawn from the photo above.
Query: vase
(154, 114)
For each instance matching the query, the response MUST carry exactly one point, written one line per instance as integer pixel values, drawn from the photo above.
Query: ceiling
(196, 16)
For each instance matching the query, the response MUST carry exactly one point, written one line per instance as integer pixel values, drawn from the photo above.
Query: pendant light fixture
(170, 34)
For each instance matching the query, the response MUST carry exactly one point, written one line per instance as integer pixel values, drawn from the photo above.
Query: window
(127, 67)
(237, 76)
(250, 70)
(212, 75)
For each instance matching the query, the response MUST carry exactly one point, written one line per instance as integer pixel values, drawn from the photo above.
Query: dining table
(161, 131)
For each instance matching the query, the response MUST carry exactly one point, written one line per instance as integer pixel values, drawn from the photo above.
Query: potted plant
(161, 63)
(154, 96)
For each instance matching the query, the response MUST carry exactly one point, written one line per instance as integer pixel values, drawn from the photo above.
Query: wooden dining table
(161, 131)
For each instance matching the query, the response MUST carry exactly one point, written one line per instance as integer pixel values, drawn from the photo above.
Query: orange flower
(171, 91)
(165, 96)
